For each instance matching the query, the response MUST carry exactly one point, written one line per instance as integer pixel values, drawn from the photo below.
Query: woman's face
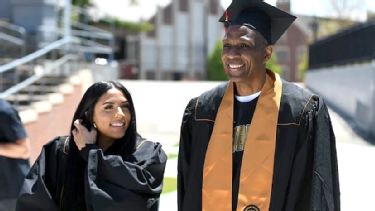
(111, 115)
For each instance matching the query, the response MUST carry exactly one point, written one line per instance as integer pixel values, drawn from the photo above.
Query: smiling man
(256, 142)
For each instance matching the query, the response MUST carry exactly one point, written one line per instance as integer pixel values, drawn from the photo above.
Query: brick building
(291, 48)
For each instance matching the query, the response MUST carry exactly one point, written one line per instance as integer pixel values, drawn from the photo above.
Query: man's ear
(267, 53)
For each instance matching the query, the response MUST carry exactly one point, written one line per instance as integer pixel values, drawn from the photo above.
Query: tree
(81, 3)
(345, 8)
(303, 66)
(80, 12)
(130, 26)
(215, 68)
(273, 65)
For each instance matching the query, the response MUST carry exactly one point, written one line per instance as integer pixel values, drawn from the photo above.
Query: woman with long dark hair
(104, 164)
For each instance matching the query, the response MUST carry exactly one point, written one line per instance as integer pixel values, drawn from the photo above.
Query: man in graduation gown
(256, 142)
(14, 155)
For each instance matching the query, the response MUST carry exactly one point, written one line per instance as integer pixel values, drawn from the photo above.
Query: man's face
(244, 53)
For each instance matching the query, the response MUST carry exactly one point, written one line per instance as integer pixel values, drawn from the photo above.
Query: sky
(146, 8)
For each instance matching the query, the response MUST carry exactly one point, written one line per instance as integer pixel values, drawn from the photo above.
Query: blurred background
(168, 51)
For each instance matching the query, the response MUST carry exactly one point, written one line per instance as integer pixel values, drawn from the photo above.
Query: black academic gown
(109, 184)
(305, 168)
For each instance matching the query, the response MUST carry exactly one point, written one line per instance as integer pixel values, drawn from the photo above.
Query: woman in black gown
(104, 164)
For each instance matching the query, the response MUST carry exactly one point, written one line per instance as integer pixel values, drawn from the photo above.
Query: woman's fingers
(74, 132)
(78, 139)
(77, 124)
(82, 134)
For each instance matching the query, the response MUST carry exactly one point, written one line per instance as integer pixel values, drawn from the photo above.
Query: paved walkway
(356, 160)
(160, 121)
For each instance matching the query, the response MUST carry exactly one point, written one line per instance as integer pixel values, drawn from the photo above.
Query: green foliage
(169, 184)
(81, 3)
(127, 25)
(303, 66)
(215, 68)
(172, 156)
(272, 65)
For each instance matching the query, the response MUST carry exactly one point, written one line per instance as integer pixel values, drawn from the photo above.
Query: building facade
(291, 49)
(38, 17)
(184, 34)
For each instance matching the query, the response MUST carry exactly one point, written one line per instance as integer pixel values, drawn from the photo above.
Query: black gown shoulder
(110, 183)
(305, 168)
(43, 184)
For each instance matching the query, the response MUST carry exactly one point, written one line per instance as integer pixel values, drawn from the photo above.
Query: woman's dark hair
(73, 196)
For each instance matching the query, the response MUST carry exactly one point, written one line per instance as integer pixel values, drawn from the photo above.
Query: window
(167, 16)
(184, 5)
(213, 7)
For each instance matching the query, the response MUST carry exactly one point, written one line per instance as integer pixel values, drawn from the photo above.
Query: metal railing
(13, 34)
(12, 39)
(18, 85)
(55, 58)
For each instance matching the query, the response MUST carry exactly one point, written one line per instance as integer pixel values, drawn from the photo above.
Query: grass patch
(169, 184)
(176, 144)
(172, 156)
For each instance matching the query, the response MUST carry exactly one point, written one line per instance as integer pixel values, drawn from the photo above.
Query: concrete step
(25, 99)
(51, 81)
(5, 84)
(39, 89)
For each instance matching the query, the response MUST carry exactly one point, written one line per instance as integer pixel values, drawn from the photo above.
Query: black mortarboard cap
(268, 20)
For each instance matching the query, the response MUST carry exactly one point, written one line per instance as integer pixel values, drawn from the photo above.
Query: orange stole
(258, 158)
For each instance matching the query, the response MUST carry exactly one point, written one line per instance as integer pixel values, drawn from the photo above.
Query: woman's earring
(93, 124)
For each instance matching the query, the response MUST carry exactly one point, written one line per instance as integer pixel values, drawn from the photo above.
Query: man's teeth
(235, 66)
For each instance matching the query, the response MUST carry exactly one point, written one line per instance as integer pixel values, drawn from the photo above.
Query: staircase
(39, 91)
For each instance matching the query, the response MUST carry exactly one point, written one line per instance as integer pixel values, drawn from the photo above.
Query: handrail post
(67, 19)
(67, 28)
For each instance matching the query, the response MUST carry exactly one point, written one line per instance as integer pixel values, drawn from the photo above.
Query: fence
(350, 90)
(353, 45)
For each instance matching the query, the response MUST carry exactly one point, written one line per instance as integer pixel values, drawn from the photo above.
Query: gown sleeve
(184, 153)
(314, 182)
(325, 193)
(37, 191)
(112, 183)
